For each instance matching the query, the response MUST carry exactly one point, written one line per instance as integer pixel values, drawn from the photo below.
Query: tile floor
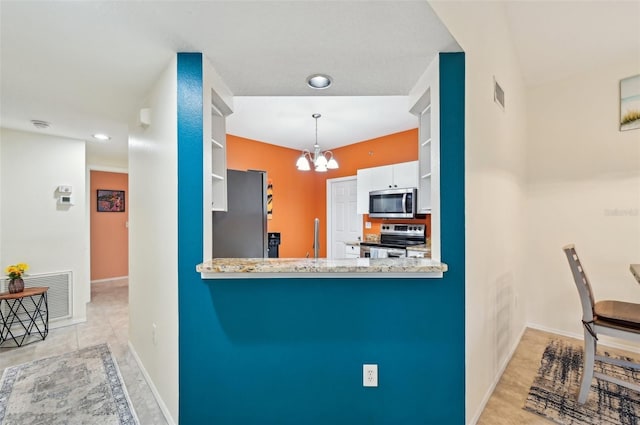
(107, 321)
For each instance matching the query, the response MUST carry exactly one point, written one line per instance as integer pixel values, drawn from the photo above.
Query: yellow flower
(15, 271)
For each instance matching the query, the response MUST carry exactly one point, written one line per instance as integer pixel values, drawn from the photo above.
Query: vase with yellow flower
(15, 273)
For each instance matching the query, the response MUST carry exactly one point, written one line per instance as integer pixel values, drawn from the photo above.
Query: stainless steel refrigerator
(241, 232)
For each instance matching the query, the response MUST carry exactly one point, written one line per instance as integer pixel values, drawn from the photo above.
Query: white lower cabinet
(352, 251)
(416, 254)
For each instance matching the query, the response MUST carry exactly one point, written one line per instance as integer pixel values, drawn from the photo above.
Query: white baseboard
(602, 339)
(154, 390)
(496, 379)
(62, 323)
(109, 279)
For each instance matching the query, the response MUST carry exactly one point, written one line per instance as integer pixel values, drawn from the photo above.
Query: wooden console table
(23, 314)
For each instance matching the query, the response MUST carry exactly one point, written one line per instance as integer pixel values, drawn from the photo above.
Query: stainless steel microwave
(393, 203)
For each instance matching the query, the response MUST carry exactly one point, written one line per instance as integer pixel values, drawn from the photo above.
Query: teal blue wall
(290, 351)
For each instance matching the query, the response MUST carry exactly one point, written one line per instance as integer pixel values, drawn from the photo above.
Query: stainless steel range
(394, 238)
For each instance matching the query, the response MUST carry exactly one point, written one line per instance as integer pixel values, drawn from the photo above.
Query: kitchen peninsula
(225, 268)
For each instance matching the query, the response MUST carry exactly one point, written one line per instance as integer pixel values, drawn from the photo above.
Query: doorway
(344, 224)
(109, 233)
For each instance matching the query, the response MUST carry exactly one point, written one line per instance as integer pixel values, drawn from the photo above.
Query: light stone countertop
(226, 268)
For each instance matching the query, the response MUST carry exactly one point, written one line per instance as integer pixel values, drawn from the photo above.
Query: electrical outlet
(369, 375)
(154, 333)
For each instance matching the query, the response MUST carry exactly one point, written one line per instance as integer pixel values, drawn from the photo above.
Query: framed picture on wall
(110, 200)
(630, 103)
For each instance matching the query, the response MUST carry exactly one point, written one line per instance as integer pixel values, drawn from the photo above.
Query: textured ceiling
(86, 66)
(558, 39)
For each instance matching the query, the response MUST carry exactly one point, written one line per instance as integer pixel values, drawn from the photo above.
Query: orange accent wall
(109, 233)
(385, 150)
(293, 196)
(299, 197)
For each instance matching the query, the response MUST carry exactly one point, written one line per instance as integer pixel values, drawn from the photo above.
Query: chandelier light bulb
(321, 161)
(303, 164)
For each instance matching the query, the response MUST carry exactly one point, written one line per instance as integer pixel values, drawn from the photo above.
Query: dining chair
(617, 319)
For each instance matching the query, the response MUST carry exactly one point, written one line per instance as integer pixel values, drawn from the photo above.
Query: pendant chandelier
(322, 161)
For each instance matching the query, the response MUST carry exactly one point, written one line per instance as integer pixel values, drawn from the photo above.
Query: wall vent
(58, 295)
(42, 125)
(498, 93)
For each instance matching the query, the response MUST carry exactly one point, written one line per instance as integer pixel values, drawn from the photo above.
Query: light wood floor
(505, 405)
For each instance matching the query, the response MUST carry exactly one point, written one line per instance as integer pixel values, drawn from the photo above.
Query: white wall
(153, 236)
(35, 229)
(495, 189)
(584, 188)
(96, 160)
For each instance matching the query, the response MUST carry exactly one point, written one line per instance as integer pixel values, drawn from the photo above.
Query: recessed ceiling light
(318, 81)
(101, 136)
(40, 124)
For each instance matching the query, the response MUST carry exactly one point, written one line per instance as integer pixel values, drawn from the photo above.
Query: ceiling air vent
(40, 124)
(498, 93)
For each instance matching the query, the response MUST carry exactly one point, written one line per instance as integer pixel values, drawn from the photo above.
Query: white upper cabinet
(217, 105)
(377, 177)
(425, 100)
(404, 174)
(218, 160)
(424, 154)
(371, 179)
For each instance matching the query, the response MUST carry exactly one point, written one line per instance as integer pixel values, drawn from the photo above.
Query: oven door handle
(396, 253)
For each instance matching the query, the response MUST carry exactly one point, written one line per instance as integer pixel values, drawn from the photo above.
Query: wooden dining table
(635, 271)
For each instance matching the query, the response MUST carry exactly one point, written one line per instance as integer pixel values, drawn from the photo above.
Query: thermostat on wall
(65, 200)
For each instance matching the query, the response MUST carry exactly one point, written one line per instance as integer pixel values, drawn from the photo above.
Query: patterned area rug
(81, 387)
(555, 390)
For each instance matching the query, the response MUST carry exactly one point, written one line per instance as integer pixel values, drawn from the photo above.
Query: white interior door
(344, 223)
